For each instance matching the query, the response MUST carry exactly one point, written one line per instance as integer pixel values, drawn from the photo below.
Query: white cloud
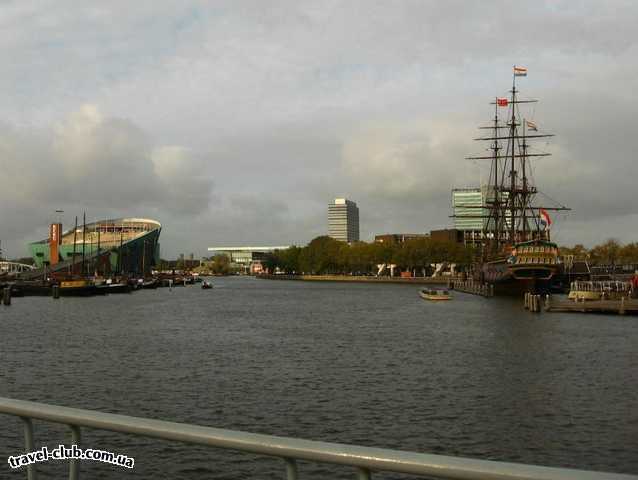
(419, 160)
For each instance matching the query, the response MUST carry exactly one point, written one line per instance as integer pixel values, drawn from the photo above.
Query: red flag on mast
(502, 102)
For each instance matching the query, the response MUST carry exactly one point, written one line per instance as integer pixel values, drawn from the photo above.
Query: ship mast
(509, 211)
(495, 149)
(511, 147)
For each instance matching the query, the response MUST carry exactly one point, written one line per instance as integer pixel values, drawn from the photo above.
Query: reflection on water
(367, 364)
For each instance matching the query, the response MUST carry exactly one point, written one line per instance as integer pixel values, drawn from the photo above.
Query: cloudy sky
(237, 122)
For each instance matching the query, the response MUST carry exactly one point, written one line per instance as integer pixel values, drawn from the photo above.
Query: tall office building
(471, 213)
(343, 220)
(468, 205)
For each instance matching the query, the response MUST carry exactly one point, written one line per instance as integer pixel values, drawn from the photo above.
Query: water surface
(353, 363)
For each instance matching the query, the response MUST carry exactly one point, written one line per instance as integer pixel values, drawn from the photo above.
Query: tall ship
(516, 254)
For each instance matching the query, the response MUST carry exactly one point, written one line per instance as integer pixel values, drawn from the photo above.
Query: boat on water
(114, 287)
(79, 287)
(516, 251)
(435, 294)
(150, 283)
(206, 285)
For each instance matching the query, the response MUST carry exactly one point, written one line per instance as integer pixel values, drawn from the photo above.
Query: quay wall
(361, 279)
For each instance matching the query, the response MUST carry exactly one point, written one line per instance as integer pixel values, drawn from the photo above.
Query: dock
(470, 286)
(617, 306)
(622, 306)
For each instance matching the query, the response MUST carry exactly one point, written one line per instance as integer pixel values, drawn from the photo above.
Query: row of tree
(611, 252)
(327, 255)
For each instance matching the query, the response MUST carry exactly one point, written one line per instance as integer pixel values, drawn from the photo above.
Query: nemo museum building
(129, 245)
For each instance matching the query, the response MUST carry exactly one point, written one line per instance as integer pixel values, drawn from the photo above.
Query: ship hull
(511, 281)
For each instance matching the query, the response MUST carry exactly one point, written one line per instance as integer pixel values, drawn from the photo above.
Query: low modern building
(11, 268)
(343, 220)
(399, 237)
(129, 245)
(247, 258)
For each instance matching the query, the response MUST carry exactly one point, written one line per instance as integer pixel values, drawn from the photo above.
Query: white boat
(434, 294)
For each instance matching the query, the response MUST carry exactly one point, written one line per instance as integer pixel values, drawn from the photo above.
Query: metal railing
(364, 460)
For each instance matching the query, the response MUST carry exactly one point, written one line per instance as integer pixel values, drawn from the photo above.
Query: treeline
(611, 252)
(325, 255)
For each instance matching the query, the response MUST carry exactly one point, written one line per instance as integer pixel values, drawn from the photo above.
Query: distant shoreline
(361, 279)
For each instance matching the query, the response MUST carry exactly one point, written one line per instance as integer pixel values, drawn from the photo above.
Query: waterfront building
(399, 237)
(448, 235)
(247, 259)
(12, 268)
(343, 220)
(470, 213)
(468, 206)
(128, 245)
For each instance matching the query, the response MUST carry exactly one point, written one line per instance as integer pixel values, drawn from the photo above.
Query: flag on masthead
(502, 102)
(520, 71)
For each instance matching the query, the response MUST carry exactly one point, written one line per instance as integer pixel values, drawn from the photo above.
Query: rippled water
(366, 364)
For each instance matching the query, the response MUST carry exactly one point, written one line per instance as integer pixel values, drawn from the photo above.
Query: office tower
(343, 220)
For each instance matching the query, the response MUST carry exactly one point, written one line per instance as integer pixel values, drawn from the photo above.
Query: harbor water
(373, 365)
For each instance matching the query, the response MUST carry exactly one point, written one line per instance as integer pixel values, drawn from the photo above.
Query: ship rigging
(516, 247)
(510, 213)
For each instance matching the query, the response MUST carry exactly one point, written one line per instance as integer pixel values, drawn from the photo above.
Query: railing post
(292, 473)
(363, 474)
(74, 464)
(29, 446)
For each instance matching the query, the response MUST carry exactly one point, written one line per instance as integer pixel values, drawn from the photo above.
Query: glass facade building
(343, 220)
(471, 214)
(245, 258)
(467, 204)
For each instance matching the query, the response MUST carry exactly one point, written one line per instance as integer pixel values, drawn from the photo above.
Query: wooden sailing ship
(517, 253)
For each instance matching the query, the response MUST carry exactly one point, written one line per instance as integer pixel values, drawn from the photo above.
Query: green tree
(321, 256)
(607, 253)
(220, 265)
(578, 251)
(629, 253)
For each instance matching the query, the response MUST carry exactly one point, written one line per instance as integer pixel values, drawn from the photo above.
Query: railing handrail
(371, 458)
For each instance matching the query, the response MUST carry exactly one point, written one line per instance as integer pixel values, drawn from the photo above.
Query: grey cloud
(89, 162)
(296, 102)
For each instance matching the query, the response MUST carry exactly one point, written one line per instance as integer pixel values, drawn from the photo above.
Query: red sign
(55, 239)
(55, 230)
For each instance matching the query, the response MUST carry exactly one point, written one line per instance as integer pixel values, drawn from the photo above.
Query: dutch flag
(545, 220)
(520, 71)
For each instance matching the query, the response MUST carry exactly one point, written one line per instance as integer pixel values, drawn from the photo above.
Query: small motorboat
(150, 283)
(434, 294)
(206, 285)
(110, 286)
